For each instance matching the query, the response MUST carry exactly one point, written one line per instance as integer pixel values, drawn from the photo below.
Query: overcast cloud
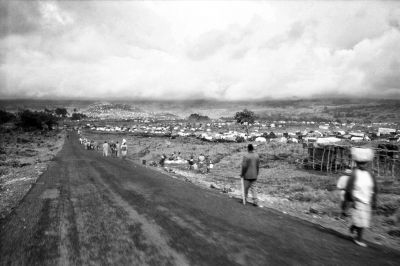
(177, 50)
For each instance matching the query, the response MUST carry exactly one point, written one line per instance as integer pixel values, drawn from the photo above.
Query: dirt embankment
(24, 156)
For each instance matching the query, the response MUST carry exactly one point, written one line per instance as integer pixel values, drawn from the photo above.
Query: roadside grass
(23, 157)
(282, 183)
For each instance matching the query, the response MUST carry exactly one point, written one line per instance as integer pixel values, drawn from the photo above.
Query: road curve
(90, 210)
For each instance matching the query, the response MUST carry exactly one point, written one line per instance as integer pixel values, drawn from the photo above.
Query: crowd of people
(200, 163)
(89, 144)
(114, 149)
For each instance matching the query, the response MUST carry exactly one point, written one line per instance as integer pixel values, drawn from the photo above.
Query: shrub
(36, 120)
(62, 112)
(78, 116)
(198, 117)
(6, 116)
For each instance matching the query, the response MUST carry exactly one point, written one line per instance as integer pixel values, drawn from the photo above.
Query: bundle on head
(362, 155)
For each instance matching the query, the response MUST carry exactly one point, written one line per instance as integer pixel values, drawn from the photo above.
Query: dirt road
(88, 209)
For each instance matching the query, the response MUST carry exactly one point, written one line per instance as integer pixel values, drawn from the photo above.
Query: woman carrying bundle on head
(361, 191)
(124, 149)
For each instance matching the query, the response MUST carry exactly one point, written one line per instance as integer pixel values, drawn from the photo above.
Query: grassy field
(283, 184)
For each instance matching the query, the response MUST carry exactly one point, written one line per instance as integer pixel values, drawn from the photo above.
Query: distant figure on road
(118, 150)
(124, 149)
(201, 160)
(209, 164)
(113, 148)
(106, 147)
(162, 160)
(191, 162)
(362, 190)
(250, 169)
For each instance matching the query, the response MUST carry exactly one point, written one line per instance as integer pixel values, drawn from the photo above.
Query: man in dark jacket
(250, 169)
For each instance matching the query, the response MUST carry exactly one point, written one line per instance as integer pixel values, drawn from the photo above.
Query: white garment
(361, 214)
(341, 185)
(105, 149)
(342, 182)
(363, 186)
(124, 149)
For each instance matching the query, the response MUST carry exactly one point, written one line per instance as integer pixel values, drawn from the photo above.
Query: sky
(227, 50)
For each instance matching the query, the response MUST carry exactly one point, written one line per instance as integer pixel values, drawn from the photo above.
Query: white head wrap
(362, 154)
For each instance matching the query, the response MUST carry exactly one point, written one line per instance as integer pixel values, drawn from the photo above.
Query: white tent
(328, 140)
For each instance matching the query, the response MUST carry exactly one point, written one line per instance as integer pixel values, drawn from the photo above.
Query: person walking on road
(361, 190)
(249, 174)
(118, 150)
(106, 147)
(124, 149)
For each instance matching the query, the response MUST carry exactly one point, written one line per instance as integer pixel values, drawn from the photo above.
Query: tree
(6, 116)
(198, 117)
(62, 112)
(246, 118)
(36, 120)
(77, 116)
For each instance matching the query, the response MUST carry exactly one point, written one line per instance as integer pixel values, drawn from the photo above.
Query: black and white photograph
(243, 132)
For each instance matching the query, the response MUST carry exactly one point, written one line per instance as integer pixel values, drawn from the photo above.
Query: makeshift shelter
(333, 157)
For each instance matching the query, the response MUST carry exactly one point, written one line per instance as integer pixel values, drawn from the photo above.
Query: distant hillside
(335, 109)
(106, 110)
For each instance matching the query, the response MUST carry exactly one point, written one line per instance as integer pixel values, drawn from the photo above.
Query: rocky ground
(24, 156)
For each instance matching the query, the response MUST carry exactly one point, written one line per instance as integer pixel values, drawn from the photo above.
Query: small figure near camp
(191, 162)
(118, 150)
(162, 160)
(124, 149)
(361, 190)
(209, 164)
(249, 174)
(113, 148)
(106, 147)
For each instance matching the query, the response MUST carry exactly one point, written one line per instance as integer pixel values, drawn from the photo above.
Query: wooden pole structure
(373, 161)
(341, 159)
(327, 163)
(322, 161)
(378, 163)
(313, 158)
(336, 159)
(385, 166)
(393, 163)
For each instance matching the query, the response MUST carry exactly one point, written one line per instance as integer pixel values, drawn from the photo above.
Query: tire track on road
(152, 233)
